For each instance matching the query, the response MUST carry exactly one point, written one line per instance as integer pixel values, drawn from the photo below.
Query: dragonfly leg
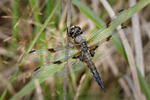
(121, 10)
(81, 57)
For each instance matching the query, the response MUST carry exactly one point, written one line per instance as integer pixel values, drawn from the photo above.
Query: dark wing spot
(76, 56)
(121, 10)
(92, 50)
(108, 38)
(57, 62)
(123, 27)
(52, 50)
(37, 68)
(108, 23)
(32, 51)
(96, 47)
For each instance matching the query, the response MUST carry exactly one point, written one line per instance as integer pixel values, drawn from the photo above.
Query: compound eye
(78, 27)
(72, 27)
(72, 30)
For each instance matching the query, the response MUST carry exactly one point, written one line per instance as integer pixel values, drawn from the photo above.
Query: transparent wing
(101, 34)
(44, 70)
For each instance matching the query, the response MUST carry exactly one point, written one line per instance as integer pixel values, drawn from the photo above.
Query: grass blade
(46, 72)
(144, 86)
(87, 12)
(2, 97)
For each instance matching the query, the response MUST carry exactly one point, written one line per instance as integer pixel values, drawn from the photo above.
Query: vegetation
(36, 24)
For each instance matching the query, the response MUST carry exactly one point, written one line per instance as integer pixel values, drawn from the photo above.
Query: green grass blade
(15, 27)
(36, 12)
(15, 14)
(87, 12)
(49, 6)
(2, 97)
(37, 19)
(144, 86)
(45, 72)
(120, 47)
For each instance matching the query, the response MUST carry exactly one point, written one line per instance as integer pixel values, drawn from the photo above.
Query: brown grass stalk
(137, 39)
(127, 49)
(67, 51)
(79, 87)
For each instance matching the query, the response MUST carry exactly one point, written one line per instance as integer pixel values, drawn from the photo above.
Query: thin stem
(67, 51)
(128, 51)
(137, 39)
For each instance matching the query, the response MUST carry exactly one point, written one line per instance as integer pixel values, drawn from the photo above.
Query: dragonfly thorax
(84, 46)
(79, 39)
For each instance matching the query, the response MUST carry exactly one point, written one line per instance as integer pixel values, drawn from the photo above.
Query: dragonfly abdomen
(85, 53)
(95, 74)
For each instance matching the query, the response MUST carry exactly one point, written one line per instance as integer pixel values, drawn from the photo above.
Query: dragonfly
(85, 52)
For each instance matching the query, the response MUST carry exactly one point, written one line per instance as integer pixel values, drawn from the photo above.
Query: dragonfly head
(74, 31)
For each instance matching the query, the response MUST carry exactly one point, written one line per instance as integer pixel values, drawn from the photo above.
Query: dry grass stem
(66, 70)
(137, 39)
(131, 63)
(39, 95)
(64, 13)
(79, 87)
(131, 85)
(125, 87)
(116, 72)
(6, 83)
(146, 27)
(127, 49)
